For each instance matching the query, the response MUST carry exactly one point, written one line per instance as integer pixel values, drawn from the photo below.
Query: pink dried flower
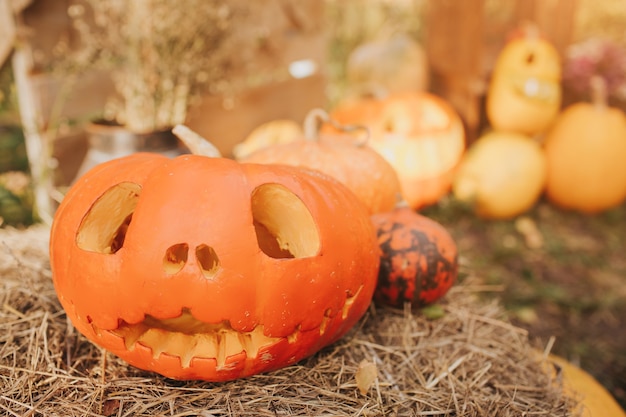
(596, 56)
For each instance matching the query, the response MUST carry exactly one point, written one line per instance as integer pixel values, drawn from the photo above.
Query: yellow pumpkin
(524, 93)
(595, 400)
(502, 175)
(418, 133)
(266, 134)
(586, 151)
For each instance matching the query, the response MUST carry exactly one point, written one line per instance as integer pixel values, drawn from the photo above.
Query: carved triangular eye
(103, 229)
(175, 258)
(284, 225)
(208, 261)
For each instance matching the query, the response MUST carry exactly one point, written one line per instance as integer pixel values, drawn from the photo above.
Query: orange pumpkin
(595, 399)
(204, 268)
(418, 133)
(524, 94)
(586, 154)
(343, 157)
(418, 258)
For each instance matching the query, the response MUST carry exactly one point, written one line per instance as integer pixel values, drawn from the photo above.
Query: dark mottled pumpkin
(418, 259)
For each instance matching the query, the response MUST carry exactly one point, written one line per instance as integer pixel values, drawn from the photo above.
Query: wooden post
(555, 19)
(36, 141)
(7, 29)
(454, 44)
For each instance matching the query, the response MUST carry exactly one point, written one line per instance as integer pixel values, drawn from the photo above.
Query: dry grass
(469, 362)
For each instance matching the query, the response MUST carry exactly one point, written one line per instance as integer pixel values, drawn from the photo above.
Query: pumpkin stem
(317, 117)
(401, 202)
(196, 143)
(530, 31)
(598, 92)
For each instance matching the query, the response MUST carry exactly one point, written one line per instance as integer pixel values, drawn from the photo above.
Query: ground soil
(560, 274)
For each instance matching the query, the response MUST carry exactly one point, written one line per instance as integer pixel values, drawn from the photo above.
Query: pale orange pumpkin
(586, 151)
(345, 157)
(524, 93)
(418, 133)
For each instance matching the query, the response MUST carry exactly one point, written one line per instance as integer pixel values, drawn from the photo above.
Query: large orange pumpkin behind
(586, 153)
(418, 133)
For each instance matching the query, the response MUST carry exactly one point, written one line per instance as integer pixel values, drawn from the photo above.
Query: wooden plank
(7, 30)
(270, 34)
(454, 46)
(554, 18)
(454, 35)
(226, 121)
(73, 97)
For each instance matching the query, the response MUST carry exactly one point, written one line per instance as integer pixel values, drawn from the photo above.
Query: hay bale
(468, 362)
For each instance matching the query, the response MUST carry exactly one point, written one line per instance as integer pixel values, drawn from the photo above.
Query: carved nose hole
(175, 258)
(207, 260)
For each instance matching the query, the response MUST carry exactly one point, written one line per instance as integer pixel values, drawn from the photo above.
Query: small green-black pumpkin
(419, 258)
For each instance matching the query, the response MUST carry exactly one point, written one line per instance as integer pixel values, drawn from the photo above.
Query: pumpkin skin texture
(502, 175)
(419, 259)
(418, 133)
(204, 268)
(356, 165)
(596, 401)
(586, 152)
(524, 93)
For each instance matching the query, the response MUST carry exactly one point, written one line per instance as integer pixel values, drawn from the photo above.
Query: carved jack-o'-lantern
(204, 268)
(524, 93)
(419, 134)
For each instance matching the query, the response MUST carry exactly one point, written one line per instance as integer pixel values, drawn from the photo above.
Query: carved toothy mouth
(187, 337)
(537, 89)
